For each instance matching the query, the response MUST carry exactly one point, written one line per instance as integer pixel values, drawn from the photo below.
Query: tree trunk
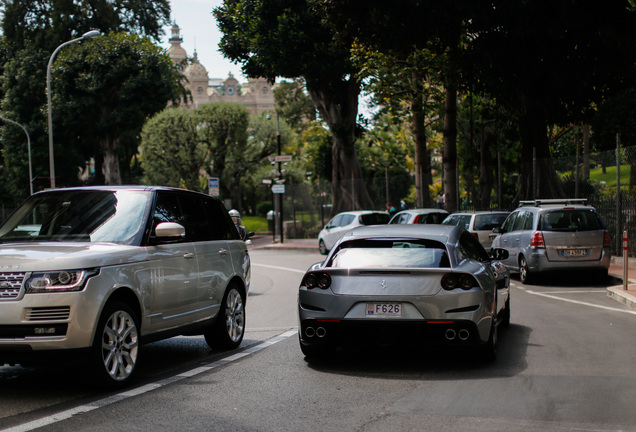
(534, 144)
(422, 159)
(450, 146)
(112, 174)
(338, 106)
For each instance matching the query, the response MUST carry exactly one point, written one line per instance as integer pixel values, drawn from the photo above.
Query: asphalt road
(565, 363)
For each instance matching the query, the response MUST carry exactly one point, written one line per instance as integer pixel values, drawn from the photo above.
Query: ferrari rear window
(408, 253)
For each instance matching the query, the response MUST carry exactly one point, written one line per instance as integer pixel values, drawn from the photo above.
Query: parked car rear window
(486, 222)
(374, 219)
(571, 220)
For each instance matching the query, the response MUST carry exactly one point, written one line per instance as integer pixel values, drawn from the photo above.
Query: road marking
(279, 268)
(631, 312)
(64, 415)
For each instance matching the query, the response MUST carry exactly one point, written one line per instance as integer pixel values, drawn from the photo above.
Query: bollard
(625, 260)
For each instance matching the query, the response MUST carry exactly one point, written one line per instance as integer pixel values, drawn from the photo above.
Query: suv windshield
(79, 215)
(571, 220)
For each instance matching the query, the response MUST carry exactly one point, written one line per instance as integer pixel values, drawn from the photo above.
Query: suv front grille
(10, 285)
(48, 313)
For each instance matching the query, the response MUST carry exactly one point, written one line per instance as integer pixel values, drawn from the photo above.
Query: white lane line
(631, 312)
(278, 268)
(64, 415)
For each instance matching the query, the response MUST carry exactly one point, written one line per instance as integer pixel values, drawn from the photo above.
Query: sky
(199, 30)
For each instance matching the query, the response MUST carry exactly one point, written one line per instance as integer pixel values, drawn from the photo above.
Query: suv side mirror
(169, 231)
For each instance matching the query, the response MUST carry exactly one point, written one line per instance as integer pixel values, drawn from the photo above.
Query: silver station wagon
(549, 235)
(92, 273)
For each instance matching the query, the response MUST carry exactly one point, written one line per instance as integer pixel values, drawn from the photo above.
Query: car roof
(116, 187)
(423, 211)
(441, 233)
(470, 212)
(578, 203)
(360, 212)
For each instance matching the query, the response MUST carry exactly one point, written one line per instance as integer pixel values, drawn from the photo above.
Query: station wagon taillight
(537, 240)
(606, 239)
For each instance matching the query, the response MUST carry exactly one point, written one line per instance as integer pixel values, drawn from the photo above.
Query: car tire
(315, 351)
(322, 248)
(489, 351)
(229, 327)
(116, 347)
(524, 272)
(505, 315)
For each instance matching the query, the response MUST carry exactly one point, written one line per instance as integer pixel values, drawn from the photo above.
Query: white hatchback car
(345, 222)
(94, 272)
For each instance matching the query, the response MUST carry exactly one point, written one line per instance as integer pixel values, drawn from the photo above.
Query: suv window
(570, 220)
(520, 221)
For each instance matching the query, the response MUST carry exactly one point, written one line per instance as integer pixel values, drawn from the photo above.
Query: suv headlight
(59, 281)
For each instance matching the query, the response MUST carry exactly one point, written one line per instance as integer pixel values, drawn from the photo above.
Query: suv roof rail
(566, 201)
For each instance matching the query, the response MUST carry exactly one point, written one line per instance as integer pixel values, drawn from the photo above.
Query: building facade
(256, 95)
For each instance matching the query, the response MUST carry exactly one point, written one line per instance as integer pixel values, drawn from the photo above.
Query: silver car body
(480, 223)
(419, 216)
(572, 237)
(346, 221)
(172, 281)
(402, 266)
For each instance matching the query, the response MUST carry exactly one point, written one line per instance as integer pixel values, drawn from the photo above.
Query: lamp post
(87, 35)
(28, 151)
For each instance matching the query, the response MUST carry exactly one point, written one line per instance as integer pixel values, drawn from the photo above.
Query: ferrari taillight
(451, 281)
(317, 280)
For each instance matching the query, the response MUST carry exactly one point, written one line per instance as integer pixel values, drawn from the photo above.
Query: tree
(550, 62)
(407, 87)
(171, 151)
(294, 104)
(286, 38)
(46, 24)
(103, 92)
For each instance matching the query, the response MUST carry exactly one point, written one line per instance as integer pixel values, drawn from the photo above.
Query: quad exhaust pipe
(320, 332)
(451, 334)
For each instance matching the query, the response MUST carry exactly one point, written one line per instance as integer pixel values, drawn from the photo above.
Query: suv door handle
(188, 255)
(222, 251)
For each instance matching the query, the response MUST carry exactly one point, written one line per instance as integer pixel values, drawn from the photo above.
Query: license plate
(574, 252)
(384, 309)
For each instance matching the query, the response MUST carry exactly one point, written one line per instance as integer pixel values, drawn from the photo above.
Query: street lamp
(28, 150)
(87, 35)
(280, 176)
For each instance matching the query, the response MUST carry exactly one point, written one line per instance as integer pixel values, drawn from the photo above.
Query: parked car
(548, 235)
(404, 284)
(419, 216)
(480, 223)
(346, 221)
(94, 272)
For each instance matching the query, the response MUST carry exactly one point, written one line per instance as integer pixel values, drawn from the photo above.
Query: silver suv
(92, 273)
(547, 235)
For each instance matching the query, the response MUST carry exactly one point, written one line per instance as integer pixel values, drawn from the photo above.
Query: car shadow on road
(580, 279)
(431, 363)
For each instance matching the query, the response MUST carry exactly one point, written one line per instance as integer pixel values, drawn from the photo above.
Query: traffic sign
(213, 186)
(283, 158)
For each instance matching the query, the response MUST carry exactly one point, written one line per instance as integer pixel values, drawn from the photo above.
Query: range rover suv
(92, 273)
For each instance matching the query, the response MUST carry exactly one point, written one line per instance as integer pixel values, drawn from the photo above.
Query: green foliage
(46, 24)
(317, 151)
(172, 154)
(294, 104)
(103, 92)
(255, 223)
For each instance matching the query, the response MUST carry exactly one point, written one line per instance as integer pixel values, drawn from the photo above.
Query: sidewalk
(627, 297)
(617, 292)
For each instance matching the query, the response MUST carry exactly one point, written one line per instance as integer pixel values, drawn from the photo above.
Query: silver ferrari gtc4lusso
(405, 284)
